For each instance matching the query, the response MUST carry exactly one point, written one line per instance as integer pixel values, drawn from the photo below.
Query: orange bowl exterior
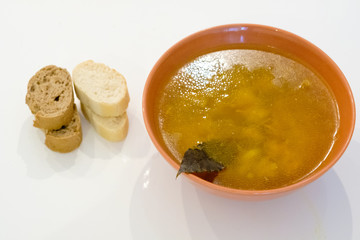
(251, 36)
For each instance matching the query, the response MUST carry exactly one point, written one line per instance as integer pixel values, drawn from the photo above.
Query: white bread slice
(67, 138)
(111, 128)
(101, 88)
(50, 97)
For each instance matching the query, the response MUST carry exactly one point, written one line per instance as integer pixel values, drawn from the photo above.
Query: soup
(268, 119)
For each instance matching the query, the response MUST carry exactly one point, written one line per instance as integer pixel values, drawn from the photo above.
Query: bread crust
(50, 97)
(113, 134)
(68, 139)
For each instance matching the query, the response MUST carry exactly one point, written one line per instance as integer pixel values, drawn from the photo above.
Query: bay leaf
(196, 160)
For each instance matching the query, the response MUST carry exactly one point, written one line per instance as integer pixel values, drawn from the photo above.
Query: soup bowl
(258, 37)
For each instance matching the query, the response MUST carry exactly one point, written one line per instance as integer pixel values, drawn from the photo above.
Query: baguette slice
(50, 97)
(111, 128)
(67, 138)
(101, 88)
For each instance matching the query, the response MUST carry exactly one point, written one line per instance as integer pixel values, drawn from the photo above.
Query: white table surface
(126, 190)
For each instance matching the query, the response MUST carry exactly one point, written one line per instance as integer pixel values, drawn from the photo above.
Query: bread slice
(68, 137)
(50, 97)
(111, 128)
(101, 88)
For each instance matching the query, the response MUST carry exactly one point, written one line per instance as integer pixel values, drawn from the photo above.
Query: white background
(126, 190)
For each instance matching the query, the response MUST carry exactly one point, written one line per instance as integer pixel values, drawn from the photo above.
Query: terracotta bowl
(251, 37)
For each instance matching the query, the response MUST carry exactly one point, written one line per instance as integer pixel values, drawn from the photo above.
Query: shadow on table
(318, 211)
(42, 163)
(156, 204)
(165, 208)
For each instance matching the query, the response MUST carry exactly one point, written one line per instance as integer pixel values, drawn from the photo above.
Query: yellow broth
(270, 120)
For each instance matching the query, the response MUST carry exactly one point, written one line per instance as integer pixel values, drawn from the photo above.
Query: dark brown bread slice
(67, 138)
(50, 97)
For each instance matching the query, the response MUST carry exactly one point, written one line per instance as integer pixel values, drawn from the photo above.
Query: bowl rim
(233, 191)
